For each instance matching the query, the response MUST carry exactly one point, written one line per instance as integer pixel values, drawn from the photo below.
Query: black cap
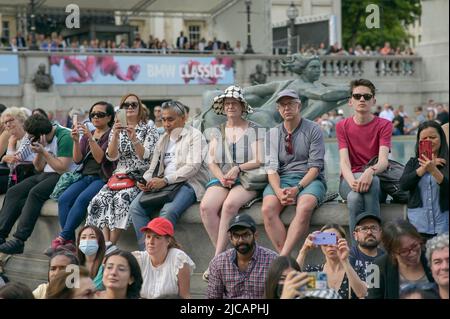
(365, 215)
(242, 220)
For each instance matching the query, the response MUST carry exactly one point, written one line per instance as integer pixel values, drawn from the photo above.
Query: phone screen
(425, 149)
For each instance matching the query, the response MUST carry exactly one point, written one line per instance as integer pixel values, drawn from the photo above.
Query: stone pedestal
(48, 101)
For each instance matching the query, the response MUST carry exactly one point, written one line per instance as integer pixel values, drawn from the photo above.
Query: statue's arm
(328, 93)
(262, 89)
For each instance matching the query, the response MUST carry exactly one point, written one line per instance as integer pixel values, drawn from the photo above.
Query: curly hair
(436, 243)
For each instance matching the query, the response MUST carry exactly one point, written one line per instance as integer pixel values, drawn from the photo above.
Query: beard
(244, 248)
(369, 243)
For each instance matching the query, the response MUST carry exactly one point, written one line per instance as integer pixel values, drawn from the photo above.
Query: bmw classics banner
(9, 69)
(110, 69)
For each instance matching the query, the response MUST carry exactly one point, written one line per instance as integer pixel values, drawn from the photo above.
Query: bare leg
(300, 223)
(106, 233)
(209, 210)
(115, 234)
(237, 197)
(271, 209)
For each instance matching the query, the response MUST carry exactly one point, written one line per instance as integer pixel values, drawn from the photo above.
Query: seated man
(53, 147)
(360, 138)
(295, 172)
(240, 272)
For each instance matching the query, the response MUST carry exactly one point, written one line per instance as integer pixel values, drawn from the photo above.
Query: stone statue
(317, 97)
(258, 77)
(42, 80)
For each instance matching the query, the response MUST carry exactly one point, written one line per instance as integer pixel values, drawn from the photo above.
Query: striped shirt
(226, 281)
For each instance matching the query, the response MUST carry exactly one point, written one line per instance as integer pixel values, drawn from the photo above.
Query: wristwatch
(166, 180)
(300, 188)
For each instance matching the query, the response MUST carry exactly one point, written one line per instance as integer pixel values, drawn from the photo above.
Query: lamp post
(249, 49)
(292, 14)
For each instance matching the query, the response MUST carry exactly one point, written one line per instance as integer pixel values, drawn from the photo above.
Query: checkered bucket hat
(234, 92)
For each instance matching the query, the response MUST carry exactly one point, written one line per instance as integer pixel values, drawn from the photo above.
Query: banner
(9, 69)
(111, 69)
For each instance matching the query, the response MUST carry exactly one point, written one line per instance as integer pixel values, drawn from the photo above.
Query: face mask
(89, 247)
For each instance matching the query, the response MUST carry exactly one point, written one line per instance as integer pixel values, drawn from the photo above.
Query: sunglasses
(367, 96)
(174, 104)
(288, 144)
(99, 115)
(126, 105)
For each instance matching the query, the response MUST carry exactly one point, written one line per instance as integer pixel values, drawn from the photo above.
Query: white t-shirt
(387, 114)
(169, 158)
(162, 280)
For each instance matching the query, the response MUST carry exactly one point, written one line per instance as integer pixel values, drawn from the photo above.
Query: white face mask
(89, 247)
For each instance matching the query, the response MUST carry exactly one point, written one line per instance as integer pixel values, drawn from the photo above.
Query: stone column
(433, 49)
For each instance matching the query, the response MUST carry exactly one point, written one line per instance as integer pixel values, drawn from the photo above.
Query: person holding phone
(131, 144)
(341, 276)
(426, 178)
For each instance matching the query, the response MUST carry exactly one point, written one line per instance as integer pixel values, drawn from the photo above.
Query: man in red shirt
(360, 138)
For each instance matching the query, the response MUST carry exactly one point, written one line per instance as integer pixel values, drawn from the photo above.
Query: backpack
(390, 180)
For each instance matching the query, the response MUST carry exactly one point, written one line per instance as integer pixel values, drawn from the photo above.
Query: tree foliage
(395, 16)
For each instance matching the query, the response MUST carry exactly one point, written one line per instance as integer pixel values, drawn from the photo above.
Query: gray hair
(175, 106)
(436, 243)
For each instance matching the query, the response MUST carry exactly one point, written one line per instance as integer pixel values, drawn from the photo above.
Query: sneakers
(60, 243)
(12, 246)
(206, 275)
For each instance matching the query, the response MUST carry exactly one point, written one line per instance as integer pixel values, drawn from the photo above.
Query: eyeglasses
(176, 104)
(99, 115)
(288, 144)
(290, 105)
(365, 229)
(405, 252)
(126, 105)
(9, 121)
(244, 236)
(358, 96)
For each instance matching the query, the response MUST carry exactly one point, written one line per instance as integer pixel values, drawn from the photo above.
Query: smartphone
(317, 280)
(325, 238)
(425, 149)
(75, 120)
(122, 117)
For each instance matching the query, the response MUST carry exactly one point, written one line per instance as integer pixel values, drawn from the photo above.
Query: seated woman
(131, 144)
(90, 251)
(58, 262)
(166, 270)
(426, 179)
(178, 158)
(14, 142)
(90, 152)
(404, 262)
(341, 276)
(240, 140)
(83, 287)
(122, 277)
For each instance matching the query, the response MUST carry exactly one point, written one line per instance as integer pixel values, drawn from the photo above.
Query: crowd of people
(402, 122)
(126, 170)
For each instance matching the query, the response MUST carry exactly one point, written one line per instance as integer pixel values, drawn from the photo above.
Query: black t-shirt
(91, 167)
(360, 260)
(442, 118)
(401, 122)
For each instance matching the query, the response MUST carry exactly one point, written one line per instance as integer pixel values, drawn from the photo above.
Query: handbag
(390, 180)
(64, 181)
(120, 181)
(19, 172)
(158, 197)
(252, 180)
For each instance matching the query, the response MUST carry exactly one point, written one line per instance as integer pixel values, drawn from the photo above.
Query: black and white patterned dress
(111, 208)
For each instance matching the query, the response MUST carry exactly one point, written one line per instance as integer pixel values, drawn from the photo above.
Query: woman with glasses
(96, 169)
(341, 276)
(237, 149)
(403, 264)
(426, 179)
(14, 141)
(131, 144)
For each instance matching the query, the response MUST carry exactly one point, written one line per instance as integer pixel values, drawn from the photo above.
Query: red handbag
(120, 181)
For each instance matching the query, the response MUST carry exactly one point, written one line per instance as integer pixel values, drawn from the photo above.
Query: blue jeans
(72, 204)
(172, 211)
(361, 202)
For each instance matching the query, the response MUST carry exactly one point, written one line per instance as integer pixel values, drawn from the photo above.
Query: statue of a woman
(317, 97)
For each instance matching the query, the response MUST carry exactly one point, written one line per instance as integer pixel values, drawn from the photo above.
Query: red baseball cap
(160, 226)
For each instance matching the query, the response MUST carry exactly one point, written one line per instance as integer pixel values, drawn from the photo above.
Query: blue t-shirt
(360, 260)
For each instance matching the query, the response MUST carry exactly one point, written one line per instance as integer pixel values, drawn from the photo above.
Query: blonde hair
(15, 112)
